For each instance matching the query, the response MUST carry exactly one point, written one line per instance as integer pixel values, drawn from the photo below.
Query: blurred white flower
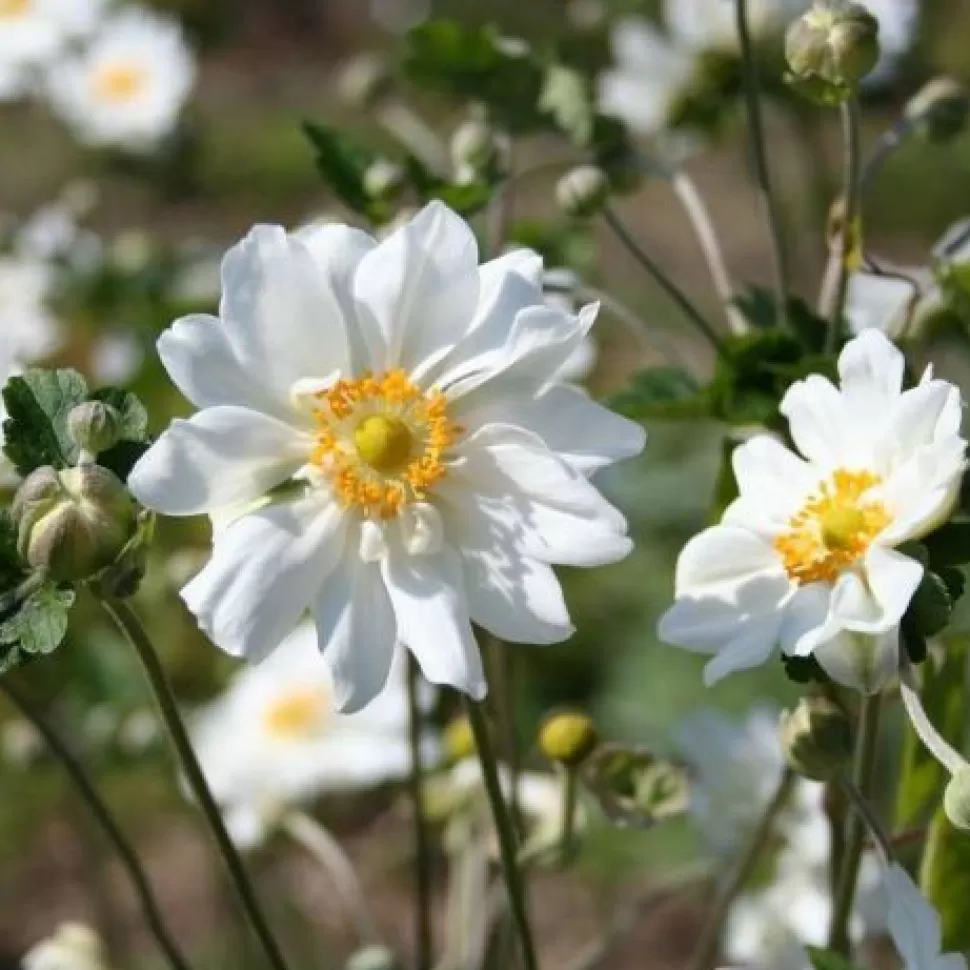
(33, 33)
(116, 358)
(914, 926)
(410, 394)
(73, 946)
(138, 732)
(274, 739)
(28, 331)
(20, 743)
(806, 557)
(127, 87)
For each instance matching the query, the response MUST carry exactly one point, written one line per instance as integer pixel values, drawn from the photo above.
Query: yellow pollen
(14, 8)
(119, 82)
(382, 442)
(298, 714)
(833, 529)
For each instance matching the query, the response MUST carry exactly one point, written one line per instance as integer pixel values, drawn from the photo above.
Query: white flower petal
(806, 622)
(422, 530)
(752, 645)
(893, 579)
(817, 422)
(773, 483)
(265, 571)
(725, 557)
(222, 456)
(859, 660)
(878, 302)
(871, 372)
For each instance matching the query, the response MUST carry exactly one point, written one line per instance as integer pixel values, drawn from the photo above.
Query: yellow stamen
(298, 714)
(14, 8)
(383, 442)
(119, 82)
(833, 529)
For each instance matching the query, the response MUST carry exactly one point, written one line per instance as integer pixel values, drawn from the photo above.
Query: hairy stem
(422, 841)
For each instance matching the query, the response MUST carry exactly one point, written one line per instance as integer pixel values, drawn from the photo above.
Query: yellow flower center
(14, 8)
(833, 529)
(118, 82)
(382, 441)
(299, 714)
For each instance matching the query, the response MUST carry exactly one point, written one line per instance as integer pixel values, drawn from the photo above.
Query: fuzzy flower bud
(836, 43)
(478, 150)
(569, 738)
(582, 192)
(94, 426)
(373, 958)
(384, 180)
(816, 738)
(73, 523)
(365, 81)
(956, 799)
(939, 110)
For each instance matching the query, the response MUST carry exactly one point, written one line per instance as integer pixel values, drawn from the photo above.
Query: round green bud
(940, 109)
(365, 81)
(73, 523)
(816, 738)
(583, 192)
(568, 738)
(384, 181)
(478, 150)
(459, 740)
(835, 42)
(956, 799)
(94, 426)
(373, 958)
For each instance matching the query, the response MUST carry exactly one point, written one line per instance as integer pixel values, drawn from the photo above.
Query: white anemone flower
(73, 946)
(914, 926)
(28, 330)
(436, 469)
(806, 559)
(127, 87)
(559, 285)
(274, 740)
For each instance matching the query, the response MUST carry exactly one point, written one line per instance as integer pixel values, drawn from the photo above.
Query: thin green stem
(570, 793)
(422, 840)
(134, 632)
(660, 277)
(705, 952)
(935, 743)
(847, 242)
(756, 138)
(863, 777)
(889, 141)
(505, 831)
(105, 819)
(864, 809)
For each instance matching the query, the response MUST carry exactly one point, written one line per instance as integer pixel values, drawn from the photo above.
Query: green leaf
(950, 544)
(661, 393)
(567, 97)
(37, 627)
(758, 305)
(726, 485)
(945, 880)
(11, 567)
(828, 960)
(932, 605)
(38, 403)
(923, 778)
(134, 415)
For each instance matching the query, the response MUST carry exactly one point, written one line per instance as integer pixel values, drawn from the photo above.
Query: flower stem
(845, 245)
(706, 951)
(505, 831)
(868, 816)
(936, 744)
(863, 776)
(756, 138)
(570, 793)
(422, 842)
(310, 834)
(131, 626)
(889, 141)
(660, 277)
(103, 816)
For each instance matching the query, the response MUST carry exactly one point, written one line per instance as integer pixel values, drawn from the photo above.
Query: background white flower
(127, 87)
(805, 558)
(73, 946)
(412, 394)
(898, 25)
(274, 739)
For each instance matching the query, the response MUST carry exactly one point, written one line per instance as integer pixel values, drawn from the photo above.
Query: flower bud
(956, 799)
(365, 81)
(384, 180)
(939, 110)
(835, 42)
(94, 426)
(373, 958)
(477, 150)
(568, 738)
(73, 523)
(816, 738)
(459, 740)
(73, 945)
(582, 192)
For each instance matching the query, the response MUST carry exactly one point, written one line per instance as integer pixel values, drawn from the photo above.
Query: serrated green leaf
(949, 545)
(758, 305)
(40, 624)
(133, 414)
(923, 778)
(932, 604)
(661, 393)
(11, 568)
(38, 403)
(822, 959)
(945, 880)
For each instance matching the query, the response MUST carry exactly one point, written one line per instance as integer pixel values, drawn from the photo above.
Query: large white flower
(127, 87)
(806, 557)
(274, 740)
(73, 947)
(439, 471)
(914, 926)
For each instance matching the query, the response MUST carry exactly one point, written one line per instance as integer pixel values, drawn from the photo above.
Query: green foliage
(945, 879)
(950, 544)
(726, 484)
(936, 597)
(567, 96)
(37, 626)
(661, 393)
(121, 457)
(822, 959)
(759, 307)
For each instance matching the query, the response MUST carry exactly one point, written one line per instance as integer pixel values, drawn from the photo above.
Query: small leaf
(38, 403)
(759, 306)
(343, 164)
(661, 393)
(40, 624)
(828, 960)
(945, 880)
(134, 415)
(950, 544)
(804, 670)
(932, 605)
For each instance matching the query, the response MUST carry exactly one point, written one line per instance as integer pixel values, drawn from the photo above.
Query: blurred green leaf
(726, 485)
(567, 96)
(945, 880)
(828, 960)
(38, 403)
(949, 545)
(758, 305)
(661, 392)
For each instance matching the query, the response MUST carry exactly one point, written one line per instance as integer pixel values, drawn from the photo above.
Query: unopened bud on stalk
(72, 523)
(583, 192)
(373, 958)
(568, 738)
(816, 738)
(459, 740)
(939, 110)
(94, 426)
(956, 799)
(478, 150)
(365, 81)
(835, 43)
(384, 180)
